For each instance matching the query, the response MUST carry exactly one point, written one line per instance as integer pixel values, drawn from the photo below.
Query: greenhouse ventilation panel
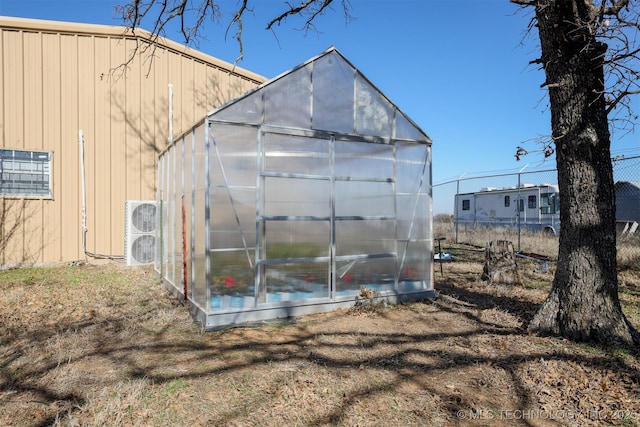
(289, 199)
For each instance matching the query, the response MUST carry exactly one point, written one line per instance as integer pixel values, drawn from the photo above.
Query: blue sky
(460, 69)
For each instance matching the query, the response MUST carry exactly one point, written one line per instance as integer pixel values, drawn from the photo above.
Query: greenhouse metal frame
(295, 198)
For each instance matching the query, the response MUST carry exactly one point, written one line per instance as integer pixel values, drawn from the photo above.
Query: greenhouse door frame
(261, 261)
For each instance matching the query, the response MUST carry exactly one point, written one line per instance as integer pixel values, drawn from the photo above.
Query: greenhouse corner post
(184, 223)
(207, 212)
(192, 213)
(184, 251)
(332, 214)
(259, 235)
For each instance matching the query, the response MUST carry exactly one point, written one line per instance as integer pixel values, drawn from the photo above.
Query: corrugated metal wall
(57, 78)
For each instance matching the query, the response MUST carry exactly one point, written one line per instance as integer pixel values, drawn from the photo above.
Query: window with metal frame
(25, 174)
(549, 203)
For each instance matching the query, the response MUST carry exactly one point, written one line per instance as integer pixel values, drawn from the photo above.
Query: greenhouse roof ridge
(330, 50)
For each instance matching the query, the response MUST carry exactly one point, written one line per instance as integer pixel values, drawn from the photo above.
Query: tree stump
(500, 266)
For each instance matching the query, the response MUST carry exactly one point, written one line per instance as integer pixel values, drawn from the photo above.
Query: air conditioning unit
(140, 231)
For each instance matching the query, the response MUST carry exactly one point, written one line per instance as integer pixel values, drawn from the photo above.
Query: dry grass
(628, 253)
(541, 243)
(106, 345)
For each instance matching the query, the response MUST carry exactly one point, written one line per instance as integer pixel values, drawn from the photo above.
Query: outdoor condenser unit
(140, 231)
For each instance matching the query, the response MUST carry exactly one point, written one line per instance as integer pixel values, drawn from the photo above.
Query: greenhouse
(295, 198)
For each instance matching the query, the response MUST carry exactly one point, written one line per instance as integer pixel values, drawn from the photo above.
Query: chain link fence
(523, 207)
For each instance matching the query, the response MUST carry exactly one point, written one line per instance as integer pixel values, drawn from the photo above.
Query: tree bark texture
(583, 304)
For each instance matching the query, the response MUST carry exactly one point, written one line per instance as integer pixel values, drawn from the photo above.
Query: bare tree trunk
(583, 304)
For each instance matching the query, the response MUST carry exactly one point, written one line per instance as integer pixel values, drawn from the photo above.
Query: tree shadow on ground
(430, 362)
(519, 306)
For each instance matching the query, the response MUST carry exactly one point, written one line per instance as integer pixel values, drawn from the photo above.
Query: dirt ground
(97, 345)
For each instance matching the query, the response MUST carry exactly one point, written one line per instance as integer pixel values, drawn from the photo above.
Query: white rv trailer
(533, 207)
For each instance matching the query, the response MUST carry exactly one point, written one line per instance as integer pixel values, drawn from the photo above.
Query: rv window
(521, 205)
(466, 205)
(549, 203)
(531, 202)
(507, 201)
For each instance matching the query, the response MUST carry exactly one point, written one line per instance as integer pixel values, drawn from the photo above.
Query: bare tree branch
(158, 14)
(524, 2)
(237, 19)
(306, 7)
(616, 24)
(614, 9)
(312, 9)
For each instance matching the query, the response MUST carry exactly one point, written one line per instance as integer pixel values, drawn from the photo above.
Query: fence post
(518, 205)
(455, 213)
(626, 172)
(518, 210)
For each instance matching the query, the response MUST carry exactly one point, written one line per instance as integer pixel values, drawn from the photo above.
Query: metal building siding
(99, 144)
(52, 140)
(13, 227)
(130, 166)
(33, 136)
(117, 144)
(57, 78)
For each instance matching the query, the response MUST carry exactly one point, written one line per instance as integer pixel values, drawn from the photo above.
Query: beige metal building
(59, 80)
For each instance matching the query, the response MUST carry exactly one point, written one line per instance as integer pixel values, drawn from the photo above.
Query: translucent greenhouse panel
(412, 177)
(295, 155)
(171, 215)
(296, 281)
(333, 82)
(199, 233)
(415, 261)
(363, 198)
(413, 216)
(233, 217)
(233, 155)
(245, 110)
(361, 160)
(374, 114)
(407, 130)
(287, 101)
(232, 280)
(296, 197)
(159, 256)
(376, 274)
(178, 279)
(165, 214)
(297, 239)
(412, 168)
(188, 205)
(365, 237)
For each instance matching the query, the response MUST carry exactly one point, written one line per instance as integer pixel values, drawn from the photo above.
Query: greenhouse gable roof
(324, 94)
